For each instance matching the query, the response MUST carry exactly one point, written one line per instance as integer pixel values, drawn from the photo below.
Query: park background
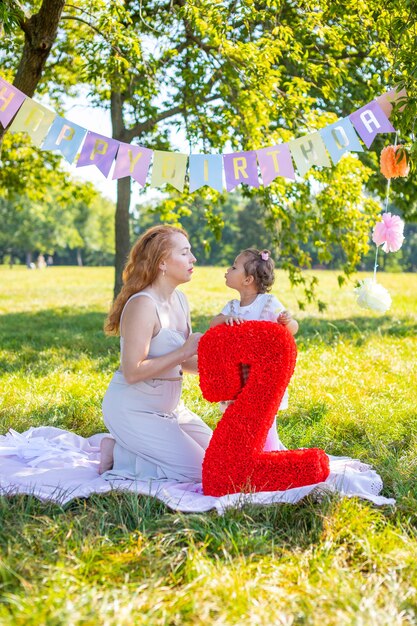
(220, 77)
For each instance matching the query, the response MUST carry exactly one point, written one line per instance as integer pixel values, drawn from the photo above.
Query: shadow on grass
(36, 341)
(357, 329)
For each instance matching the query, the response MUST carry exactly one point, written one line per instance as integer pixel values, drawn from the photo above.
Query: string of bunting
(49, 131)
(83, 147)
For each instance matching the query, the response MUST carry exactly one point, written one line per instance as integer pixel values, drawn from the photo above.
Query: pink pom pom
(389, 232)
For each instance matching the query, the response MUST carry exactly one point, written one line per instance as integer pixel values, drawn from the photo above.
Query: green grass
(120, 559)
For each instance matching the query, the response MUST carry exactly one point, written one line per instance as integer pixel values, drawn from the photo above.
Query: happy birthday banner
(83, 147)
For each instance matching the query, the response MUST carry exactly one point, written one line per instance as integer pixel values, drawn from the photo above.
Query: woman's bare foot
(106, 454)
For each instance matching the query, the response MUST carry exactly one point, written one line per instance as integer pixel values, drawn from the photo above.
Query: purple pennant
(132, 161)
(98, 150)
(370, 120)
(240, 167)
(11, 99)
(275, 161)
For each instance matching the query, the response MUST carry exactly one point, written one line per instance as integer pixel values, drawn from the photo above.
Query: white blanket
(54, 464)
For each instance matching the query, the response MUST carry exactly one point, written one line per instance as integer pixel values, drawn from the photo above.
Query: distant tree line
(44, 210)
(241, 224)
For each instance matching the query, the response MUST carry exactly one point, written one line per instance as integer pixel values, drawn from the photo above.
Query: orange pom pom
(391, 167)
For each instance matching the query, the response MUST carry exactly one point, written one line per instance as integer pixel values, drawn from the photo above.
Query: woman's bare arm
(139, 321)
(191, 365)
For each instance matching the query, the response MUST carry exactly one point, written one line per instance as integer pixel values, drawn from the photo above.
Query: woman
(154, 436)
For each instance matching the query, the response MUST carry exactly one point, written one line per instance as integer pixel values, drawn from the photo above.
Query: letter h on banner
(11, 99)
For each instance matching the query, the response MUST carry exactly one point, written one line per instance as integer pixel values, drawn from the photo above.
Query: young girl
(252, 275)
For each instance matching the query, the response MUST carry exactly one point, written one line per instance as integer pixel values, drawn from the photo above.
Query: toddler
(252, 275)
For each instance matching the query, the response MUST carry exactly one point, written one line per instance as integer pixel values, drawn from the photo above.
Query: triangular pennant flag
(34, 119)
(132, 161)
(169, 167)
(98, 150)
(206, 169)
(11, 99)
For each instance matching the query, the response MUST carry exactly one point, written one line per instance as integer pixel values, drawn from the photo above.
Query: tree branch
(96, 30)
(143, 127)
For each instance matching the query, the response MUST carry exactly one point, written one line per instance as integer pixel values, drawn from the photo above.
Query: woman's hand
(191, 345)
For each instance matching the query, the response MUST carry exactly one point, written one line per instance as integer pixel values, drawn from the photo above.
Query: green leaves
(243, 75)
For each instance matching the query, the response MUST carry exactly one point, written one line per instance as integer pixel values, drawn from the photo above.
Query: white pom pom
(372, 295)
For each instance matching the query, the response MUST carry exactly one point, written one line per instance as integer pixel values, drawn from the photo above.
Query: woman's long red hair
(141, 269)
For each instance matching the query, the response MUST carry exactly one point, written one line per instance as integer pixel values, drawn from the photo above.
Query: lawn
(120, 559)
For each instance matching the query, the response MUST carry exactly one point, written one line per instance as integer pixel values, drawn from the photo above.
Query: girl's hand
(284, 318)
(232, 319)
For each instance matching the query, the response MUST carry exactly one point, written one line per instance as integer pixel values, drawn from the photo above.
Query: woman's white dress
(156, 435)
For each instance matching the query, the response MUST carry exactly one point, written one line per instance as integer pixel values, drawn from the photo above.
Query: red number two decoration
(235, 460)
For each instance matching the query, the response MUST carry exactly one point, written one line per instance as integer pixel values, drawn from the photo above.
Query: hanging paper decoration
(391, 165)
(206, 169)
(11, 99)
(169, 167)
(98, 150)
(389, 232)
(340, 138)
(308, 151)
(64, 136)
(132, 161)
(372, 295)
(60, 134)
(33, 119)
(369, 121)
(240, 167)
(275, 161)
(234, 460)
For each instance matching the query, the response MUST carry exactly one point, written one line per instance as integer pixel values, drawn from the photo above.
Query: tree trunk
(123, 195)
(40, 34)
(79, 258)
(122, 230)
